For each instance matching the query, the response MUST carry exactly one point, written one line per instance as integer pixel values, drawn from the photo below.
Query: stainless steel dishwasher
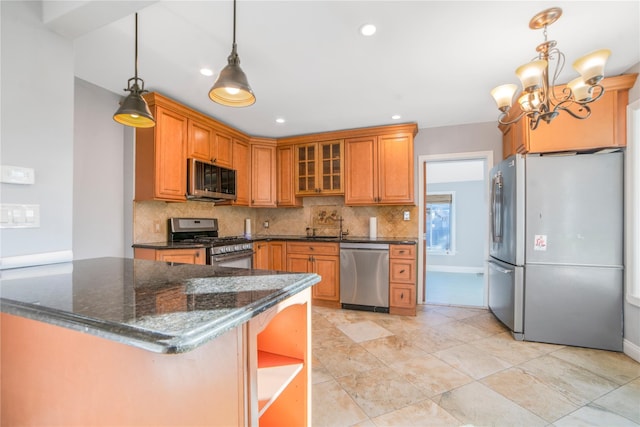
(364, 276)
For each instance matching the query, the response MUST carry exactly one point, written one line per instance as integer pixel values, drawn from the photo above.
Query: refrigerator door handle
(502, 270)
(496, 207)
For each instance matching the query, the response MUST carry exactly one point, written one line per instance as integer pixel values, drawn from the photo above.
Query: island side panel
(57, 376)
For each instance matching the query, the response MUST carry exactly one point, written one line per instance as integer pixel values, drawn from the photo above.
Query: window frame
(452, 224)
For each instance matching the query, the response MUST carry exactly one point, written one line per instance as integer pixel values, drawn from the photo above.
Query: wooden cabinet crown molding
(153, 98)
(350, 133)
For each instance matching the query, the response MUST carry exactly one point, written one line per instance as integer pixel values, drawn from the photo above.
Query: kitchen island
(114, 341)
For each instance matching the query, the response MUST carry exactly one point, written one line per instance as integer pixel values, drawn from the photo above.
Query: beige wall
(283, 221)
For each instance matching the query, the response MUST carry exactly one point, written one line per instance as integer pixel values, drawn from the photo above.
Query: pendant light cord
(234, 24)
(136, 52)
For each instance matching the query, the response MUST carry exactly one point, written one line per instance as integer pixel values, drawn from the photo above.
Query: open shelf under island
(115, 341)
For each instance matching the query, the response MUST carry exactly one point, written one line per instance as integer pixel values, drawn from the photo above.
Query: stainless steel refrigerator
(556, 250)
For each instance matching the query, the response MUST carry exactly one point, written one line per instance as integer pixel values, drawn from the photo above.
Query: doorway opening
(453, 229)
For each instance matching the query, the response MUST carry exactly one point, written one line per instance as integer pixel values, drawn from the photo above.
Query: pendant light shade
(134, 110)
(231, 88)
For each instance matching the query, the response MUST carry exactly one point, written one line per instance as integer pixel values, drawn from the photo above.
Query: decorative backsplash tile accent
(150, 219)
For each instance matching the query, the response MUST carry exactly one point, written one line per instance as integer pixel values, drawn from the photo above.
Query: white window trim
(632, 205)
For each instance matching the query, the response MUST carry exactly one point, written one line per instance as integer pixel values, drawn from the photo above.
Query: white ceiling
(432, 62)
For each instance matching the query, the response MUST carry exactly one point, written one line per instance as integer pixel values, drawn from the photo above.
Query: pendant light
(134, 110)
(232, 88)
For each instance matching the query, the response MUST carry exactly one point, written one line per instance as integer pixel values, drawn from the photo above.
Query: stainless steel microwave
(206, 181)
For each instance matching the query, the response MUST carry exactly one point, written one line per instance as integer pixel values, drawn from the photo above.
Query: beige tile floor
(452, 366)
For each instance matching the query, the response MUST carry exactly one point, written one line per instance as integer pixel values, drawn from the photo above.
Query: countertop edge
(149, 340)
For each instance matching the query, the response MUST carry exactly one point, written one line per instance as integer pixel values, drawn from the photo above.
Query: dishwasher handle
(364, 246)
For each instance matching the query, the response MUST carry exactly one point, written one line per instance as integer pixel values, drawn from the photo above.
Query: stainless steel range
(234, 251)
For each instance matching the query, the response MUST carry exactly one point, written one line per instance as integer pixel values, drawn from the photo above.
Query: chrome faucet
(342, 233)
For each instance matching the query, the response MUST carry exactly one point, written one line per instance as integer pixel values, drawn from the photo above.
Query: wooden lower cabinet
(322, 259)
(185, 256)
(280, 364)
(258, 373)
(402, 279)
(270, 255)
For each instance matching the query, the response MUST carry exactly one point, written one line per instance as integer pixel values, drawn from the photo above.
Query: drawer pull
(401, 295)
(402, 271)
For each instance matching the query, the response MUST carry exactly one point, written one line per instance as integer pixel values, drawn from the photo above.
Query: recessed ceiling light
(280, 120)
(396, 117)
(368, 30)
(206, 72)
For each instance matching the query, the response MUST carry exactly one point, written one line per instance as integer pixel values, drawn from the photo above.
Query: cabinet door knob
(402, 271)
(401, 295)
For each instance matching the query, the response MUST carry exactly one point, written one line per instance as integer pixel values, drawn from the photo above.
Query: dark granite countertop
(158, 306)
(292, 238)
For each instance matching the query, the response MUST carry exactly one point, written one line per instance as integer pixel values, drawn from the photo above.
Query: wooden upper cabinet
(222, 150)
(605, 128)
(395, 162)
(201, 137)
(361, 157)
(379, 169)
(285, 192)
(242, 166)
(209, 144)
(160, 154)
(263, 173)
(319, 168)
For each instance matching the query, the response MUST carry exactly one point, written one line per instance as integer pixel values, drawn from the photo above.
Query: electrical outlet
(406, 216)
(156, 226)
(266, 224)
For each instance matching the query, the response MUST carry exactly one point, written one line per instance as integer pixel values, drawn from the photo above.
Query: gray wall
(37, 127)
(459, 139)
(471, 236)
(98, 174)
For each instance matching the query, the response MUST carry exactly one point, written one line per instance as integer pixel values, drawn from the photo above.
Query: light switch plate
(19, 216)
(407, 216)
(17, 175)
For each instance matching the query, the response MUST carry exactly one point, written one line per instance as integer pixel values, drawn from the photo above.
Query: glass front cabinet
(319, 168)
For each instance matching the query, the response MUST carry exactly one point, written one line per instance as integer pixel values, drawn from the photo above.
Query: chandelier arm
(510, 122)
(534, 120)
(600, 93)
(583, 111)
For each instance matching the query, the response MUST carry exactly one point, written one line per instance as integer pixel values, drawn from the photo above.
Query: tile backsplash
(322, 213)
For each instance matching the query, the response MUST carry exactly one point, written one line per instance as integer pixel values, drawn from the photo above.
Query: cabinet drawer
(402, 295)
(402, 251)
(313, 248)
(402, 271)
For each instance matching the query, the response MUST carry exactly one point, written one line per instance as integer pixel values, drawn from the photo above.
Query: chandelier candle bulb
(503, 95)
(531, 74)
(591, 66)
(581, 91)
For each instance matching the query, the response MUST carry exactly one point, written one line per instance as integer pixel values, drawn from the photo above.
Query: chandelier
(540, 99)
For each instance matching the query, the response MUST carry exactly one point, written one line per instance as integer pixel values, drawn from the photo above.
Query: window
(439, 223)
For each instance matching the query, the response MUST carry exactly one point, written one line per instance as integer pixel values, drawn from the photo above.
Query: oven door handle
(232, 256)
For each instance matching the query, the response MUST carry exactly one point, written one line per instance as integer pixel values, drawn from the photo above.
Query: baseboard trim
(455, 269)
(36, 259)
(632, 350)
